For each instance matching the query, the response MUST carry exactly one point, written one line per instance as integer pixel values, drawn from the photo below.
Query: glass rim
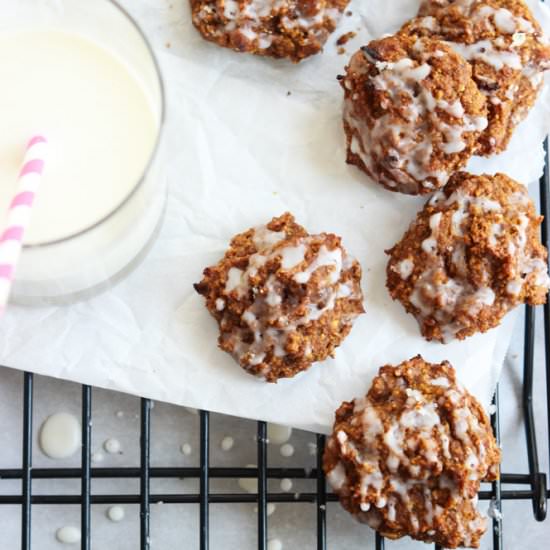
(152, 156)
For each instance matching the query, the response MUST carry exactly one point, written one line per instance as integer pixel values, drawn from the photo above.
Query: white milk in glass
(100, 107)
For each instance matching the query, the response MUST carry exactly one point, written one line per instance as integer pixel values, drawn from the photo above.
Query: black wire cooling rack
(535, 480)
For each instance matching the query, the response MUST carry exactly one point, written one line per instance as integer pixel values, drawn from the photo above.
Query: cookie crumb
(345, 38)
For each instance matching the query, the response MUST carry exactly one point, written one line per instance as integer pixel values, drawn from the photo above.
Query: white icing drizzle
(429, 245)
(265, 238)
(404, 268)
(337, 476)
(504, 20)
(441, 381)
(234, 279)
(429, 23)
(484, 50)
(292, 256)
(518, 38)
(325, 258)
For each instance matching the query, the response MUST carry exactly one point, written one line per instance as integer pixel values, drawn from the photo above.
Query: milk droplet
(278, 434)
(274, 544)
(270, 508)
(60, 435)
(97, 456)
(286, 450)
(248, 484)
(119, 414)
(68, 534)
(115, 513)
(227, 443)
(286, 485)
(112, 445)
(186, 449)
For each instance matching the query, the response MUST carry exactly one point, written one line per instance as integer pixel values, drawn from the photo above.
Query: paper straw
(19, 213)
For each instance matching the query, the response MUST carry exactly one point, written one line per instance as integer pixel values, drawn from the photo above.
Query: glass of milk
(81, 73)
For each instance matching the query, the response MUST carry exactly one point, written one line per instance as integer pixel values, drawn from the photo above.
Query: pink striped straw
(19, 213)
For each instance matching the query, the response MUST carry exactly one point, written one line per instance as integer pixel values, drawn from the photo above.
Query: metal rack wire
(535, 481)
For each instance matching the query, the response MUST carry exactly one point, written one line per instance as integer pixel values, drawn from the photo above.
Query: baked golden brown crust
(472, 254)
(294, 29)
(505, 46)
(283, 298)
(412, 113)
(408, 458)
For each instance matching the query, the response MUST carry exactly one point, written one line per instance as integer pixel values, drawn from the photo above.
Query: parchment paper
(247, 139)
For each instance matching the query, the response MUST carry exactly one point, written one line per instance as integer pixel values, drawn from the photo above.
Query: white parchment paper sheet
(247, 139)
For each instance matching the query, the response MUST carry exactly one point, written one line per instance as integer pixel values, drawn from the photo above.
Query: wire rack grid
(535, 480)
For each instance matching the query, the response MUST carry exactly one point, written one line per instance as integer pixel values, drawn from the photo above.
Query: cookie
(408, 458)
(472, 254)
(282, 298)
(412, 113)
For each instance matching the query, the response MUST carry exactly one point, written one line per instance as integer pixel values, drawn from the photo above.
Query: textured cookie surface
(506, 48)
(283, 298)
(294, 29)
(412, 113)
(472, 254)
(408, 458)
